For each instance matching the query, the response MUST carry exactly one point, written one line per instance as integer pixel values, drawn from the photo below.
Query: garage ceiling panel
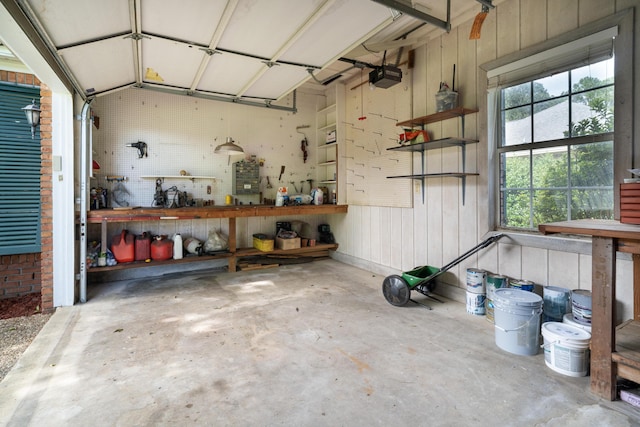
(342, 27)
(101, 65)
(69, 22)
(175, 63)
(228, 73)
(189, 20)
(277, 80)
(271, 23)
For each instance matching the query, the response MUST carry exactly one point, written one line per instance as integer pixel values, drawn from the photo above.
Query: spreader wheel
(396, 290)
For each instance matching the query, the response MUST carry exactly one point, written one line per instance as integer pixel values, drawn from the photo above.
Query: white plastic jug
(177, 246)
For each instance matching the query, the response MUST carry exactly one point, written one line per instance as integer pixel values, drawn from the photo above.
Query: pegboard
(370, 130)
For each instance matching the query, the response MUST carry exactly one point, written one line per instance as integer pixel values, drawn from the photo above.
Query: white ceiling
(258, 50)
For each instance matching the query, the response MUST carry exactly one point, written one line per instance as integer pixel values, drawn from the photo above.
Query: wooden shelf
(245, 252)
(437, 117)
(152, 263)
(433, 145)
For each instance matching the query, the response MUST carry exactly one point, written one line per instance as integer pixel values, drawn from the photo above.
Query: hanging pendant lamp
(228, 148)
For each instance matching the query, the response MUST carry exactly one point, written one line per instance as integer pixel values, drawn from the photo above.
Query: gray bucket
(517, 320)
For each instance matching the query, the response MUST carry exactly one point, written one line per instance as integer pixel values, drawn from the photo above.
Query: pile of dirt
(25, 305)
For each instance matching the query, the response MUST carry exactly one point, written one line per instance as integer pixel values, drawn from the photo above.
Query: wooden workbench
(607, 363)
(105, 216)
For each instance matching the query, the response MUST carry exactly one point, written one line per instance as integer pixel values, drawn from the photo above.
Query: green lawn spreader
(397, 288)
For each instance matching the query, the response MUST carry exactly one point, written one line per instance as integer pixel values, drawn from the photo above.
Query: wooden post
(232, 244)
(636, 286)
(603, 283)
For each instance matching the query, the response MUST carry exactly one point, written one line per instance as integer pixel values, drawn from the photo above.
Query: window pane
(551, 120)
(592, 165)
(516, 96)
(592, 204)
(516, 209)
(593, 75)
(550, 168)
(517, 126)
(515, 169)
(549, 206)
(551, 87)
(592, 112)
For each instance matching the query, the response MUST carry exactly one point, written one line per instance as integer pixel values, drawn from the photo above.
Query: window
(20, 163)
(555, 147)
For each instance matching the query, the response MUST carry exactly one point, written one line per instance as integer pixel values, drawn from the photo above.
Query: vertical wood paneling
(562, 16)
(375, 232)
(510, 258)
(408, 237)
(395, 238)
(419, 78)
(564, 269)
(508, 39)
(365, 235)
(584, 281)
(591, 10)
(385, 236)
(533, 22)
(534, 265)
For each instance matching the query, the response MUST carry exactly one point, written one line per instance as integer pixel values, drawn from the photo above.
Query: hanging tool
(302, 186)
(294, 186)
(281, 172)
(304, 143)
(269, 183)
(141, 147)
(310, 181)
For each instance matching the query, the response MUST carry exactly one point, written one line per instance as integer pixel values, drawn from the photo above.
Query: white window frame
(531, 63)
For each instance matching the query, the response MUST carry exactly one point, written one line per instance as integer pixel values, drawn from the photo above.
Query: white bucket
(566, 348)
(557, 302)
(581, 306)
(476, 280)
(517, 320)
(475, 303)
(569, 320)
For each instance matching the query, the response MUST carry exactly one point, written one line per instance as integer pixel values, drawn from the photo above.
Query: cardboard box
(262, 242)
(287, 243)
(630, 203)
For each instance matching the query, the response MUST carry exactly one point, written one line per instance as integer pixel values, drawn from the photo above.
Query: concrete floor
(306, 345)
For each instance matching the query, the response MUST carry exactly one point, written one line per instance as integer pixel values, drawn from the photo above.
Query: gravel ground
(15, 335)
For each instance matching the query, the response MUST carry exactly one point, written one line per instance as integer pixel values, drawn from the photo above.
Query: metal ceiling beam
(136, 42)
(215, 39)
(406, 7)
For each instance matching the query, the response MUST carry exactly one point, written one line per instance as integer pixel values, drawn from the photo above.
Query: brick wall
(33, 273)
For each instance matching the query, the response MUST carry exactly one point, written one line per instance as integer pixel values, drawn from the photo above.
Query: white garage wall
(391, 240)
(181, 134)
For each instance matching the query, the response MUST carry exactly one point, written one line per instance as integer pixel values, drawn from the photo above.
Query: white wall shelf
(191, 177)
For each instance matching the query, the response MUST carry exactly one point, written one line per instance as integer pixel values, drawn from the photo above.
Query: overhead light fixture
(228, 148)
(32, 111)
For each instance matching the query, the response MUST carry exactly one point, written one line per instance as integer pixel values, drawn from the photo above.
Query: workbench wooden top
(154, 214)
(593, 227)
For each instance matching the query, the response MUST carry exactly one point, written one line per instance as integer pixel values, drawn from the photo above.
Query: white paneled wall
(390, 240)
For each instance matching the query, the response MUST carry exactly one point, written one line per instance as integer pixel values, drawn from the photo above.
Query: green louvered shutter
(20, 162)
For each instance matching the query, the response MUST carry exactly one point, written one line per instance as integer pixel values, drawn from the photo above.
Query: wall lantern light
(32, 111)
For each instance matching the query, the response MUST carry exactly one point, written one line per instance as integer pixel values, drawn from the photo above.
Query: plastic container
(123, 247)
(177, 246)
(566, 348)
(568, 319)
(557, 303)
(517, 320)
(161, 248)
(143, 247)
(581, 306)
(446, 100)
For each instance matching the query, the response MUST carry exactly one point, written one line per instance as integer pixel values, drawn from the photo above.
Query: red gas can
(122, 247)
(143, 246)
(161, 248)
